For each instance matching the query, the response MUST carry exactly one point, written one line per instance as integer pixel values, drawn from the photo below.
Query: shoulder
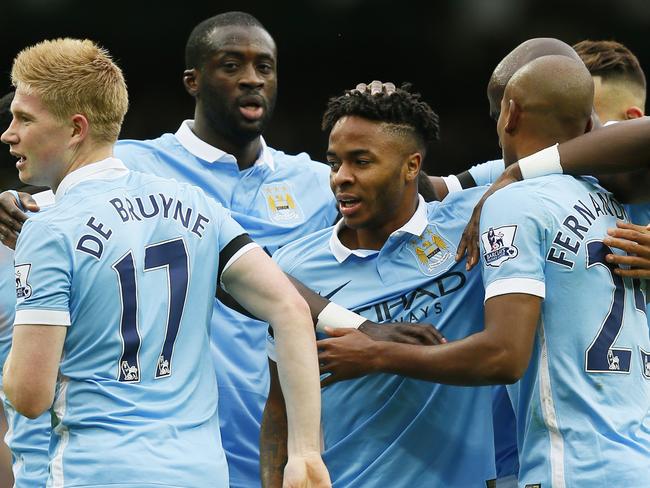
(297, 252)
(459, 204)
(488, 172)
(128, 149)
(290, 161)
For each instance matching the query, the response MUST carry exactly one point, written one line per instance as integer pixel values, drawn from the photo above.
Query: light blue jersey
(389, 430)
(488, 172)
(278, 200)
(583, 405)
(28, 439)
(129, 263)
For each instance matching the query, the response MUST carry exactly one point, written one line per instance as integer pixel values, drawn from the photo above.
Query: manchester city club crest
(498, 245)
(281, 202)
(430, 250)
(23, 289)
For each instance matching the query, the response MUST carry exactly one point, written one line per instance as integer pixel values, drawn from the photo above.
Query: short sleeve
(43, 270)
(488, 172)
(513, 243)
(233, 240)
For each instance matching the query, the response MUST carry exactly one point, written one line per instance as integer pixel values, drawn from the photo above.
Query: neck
(536, 141)
(245, 153)
(374, 237)
(83, 156)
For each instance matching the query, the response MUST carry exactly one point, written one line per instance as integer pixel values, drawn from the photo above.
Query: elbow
(27, 402)
(290, 312)
(31, 410)
(505, 367)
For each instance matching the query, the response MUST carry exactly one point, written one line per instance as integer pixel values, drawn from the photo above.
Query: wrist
(376, 356)
(542, 163)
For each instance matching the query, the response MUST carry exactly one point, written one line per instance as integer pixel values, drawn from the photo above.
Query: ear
(633, 112)
(191, 81)
(80, 128)
(413, 166)
(513, 114)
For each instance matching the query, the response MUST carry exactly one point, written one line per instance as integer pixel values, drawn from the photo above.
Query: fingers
(629, 246)
(639, 228)
(633, 261)
(8, 236)
(634, 273)
(438, 336)
(28, 202)
(375, 87)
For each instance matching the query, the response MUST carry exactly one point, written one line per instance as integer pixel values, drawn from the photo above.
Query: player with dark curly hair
(389, 259)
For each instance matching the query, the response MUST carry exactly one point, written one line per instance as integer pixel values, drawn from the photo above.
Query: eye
(230, 65)
(334, 165)
(362, 162)
(265, 68)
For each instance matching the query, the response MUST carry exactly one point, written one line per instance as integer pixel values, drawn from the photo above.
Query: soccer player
(28, 439)
(231, 72)
(582, 404)
(390, 258)
(619, 82)
(116, 292)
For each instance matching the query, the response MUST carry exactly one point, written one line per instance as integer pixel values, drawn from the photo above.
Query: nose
(9, 136)
(251, 78)
(342, 176)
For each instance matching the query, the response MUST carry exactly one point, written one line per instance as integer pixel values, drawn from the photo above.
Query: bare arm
(613, 149)
(31, 369)
(499, 354)
(256, 282)
(273, 435)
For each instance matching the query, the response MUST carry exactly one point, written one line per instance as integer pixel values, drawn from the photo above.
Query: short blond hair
(73, 76)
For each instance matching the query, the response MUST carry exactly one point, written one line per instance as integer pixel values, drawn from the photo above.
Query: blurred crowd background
(446, 49)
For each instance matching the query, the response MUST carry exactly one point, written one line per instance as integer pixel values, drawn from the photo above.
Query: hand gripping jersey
(277, 200)
(129, 263)
(389, 430)
(583, 405)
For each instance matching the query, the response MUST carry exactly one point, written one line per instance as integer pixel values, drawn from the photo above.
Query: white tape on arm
(337, 317)
(542, 163)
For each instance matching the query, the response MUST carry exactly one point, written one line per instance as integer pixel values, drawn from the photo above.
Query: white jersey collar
(415, 226)
(211, 154)
(106, 169)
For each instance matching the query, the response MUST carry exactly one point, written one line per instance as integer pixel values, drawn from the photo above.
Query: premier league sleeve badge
(498, 245)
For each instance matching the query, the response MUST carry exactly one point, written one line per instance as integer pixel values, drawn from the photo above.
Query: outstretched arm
(499, 354)
(338, 317)
(256, 282)
(615, 149)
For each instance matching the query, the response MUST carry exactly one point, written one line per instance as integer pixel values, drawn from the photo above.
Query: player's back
(136, 403)
(583, 404)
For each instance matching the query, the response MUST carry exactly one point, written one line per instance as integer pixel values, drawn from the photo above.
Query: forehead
(354, 132)
(240, 38)
(27, 102)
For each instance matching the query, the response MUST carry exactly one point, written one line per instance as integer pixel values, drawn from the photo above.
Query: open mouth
(348, 205)
(20, 157)
(251, 107)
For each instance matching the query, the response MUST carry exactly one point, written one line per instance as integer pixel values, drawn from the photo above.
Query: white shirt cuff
(42, 317)
(453, 184)
(529, 286)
